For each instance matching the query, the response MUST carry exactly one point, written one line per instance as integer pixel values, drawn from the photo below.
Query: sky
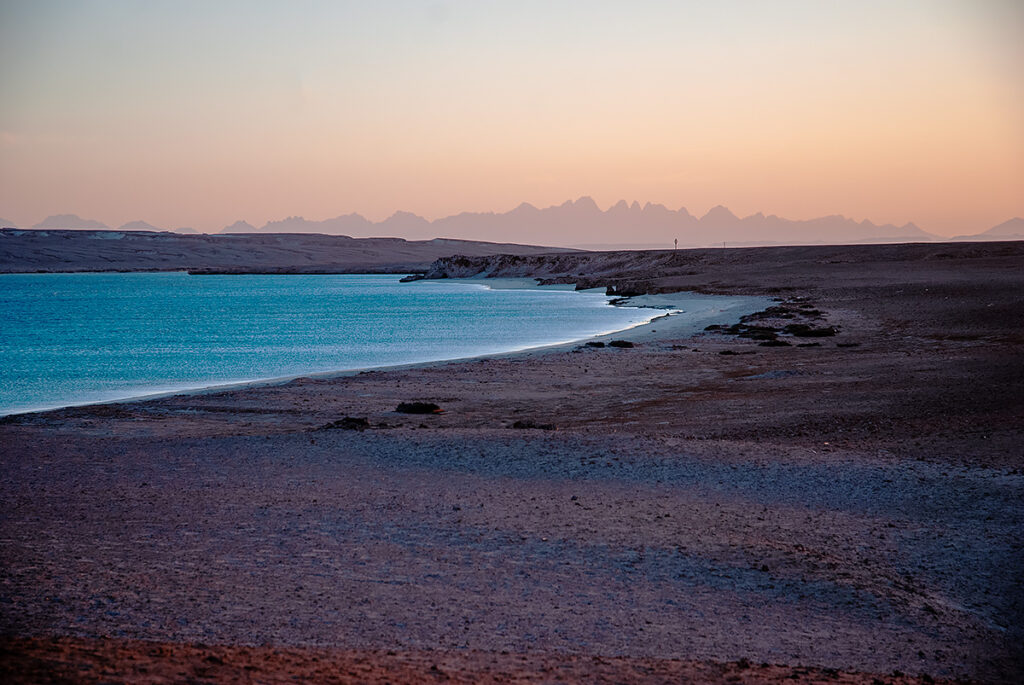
(202, 113)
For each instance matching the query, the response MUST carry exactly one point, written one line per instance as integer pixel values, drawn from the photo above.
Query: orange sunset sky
(201, 113)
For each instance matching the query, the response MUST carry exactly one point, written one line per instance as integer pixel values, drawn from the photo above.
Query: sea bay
(90, 337)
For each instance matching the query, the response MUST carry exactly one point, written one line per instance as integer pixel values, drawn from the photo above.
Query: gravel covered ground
(854, 509)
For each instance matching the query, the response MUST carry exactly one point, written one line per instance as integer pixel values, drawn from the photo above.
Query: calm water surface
(76, 338)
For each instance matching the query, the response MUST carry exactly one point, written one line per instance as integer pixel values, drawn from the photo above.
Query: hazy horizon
(198, 115)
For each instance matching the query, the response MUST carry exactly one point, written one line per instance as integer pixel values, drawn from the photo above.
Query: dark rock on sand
(774, 343)
(350, 423)
(624, 291)
(757, 335)
(594, 343)
(418, 408)
(530, 423)
(776, 312)
(802, 330)
(620, 343)
(749, 331)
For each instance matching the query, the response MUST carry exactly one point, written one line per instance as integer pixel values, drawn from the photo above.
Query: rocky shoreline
(848, 503)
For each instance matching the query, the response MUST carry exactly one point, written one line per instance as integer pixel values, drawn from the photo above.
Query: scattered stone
(620, 343)
(808, 344)
(624, 291)
(730, 352)
(749, 331)
(594, 343)
(774, 343)
(348, 423)
(418, 408)
(802, 330)
(848, 344)
(777, 373)
(530, 423)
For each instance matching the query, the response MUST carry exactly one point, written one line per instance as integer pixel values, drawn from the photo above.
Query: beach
(841, 501)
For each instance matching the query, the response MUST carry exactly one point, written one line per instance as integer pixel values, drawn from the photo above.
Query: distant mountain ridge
(138, 226)
(1014, 228)
(621, 226)
(69, 221)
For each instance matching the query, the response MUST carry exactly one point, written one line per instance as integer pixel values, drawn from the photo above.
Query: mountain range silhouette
(622, 225)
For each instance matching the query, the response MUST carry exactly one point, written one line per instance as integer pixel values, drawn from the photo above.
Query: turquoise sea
(69, 339)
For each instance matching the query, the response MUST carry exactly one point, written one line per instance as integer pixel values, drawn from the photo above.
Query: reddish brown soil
(61, 660)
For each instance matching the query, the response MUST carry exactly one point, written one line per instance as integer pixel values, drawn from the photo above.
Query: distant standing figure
(677, 244)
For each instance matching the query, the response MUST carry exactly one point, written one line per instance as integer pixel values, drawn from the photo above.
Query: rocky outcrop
(715, 271)
(349, 423)
(418, 408)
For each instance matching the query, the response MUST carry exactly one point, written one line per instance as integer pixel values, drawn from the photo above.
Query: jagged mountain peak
(69, 221)
(138, 226)
(239, 226)
(719, 213)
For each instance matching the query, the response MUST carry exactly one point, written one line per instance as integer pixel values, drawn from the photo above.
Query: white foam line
(203, 389)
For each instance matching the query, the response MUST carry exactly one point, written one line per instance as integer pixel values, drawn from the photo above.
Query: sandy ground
(855, 505)
(61, 660)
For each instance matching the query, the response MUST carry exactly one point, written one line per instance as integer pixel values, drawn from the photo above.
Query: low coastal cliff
(25, 251)
(725, 271)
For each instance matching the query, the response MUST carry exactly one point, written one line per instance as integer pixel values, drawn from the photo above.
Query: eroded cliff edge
(748, 271)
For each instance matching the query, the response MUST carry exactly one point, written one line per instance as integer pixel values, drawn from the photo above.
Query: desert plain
(829, 490)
